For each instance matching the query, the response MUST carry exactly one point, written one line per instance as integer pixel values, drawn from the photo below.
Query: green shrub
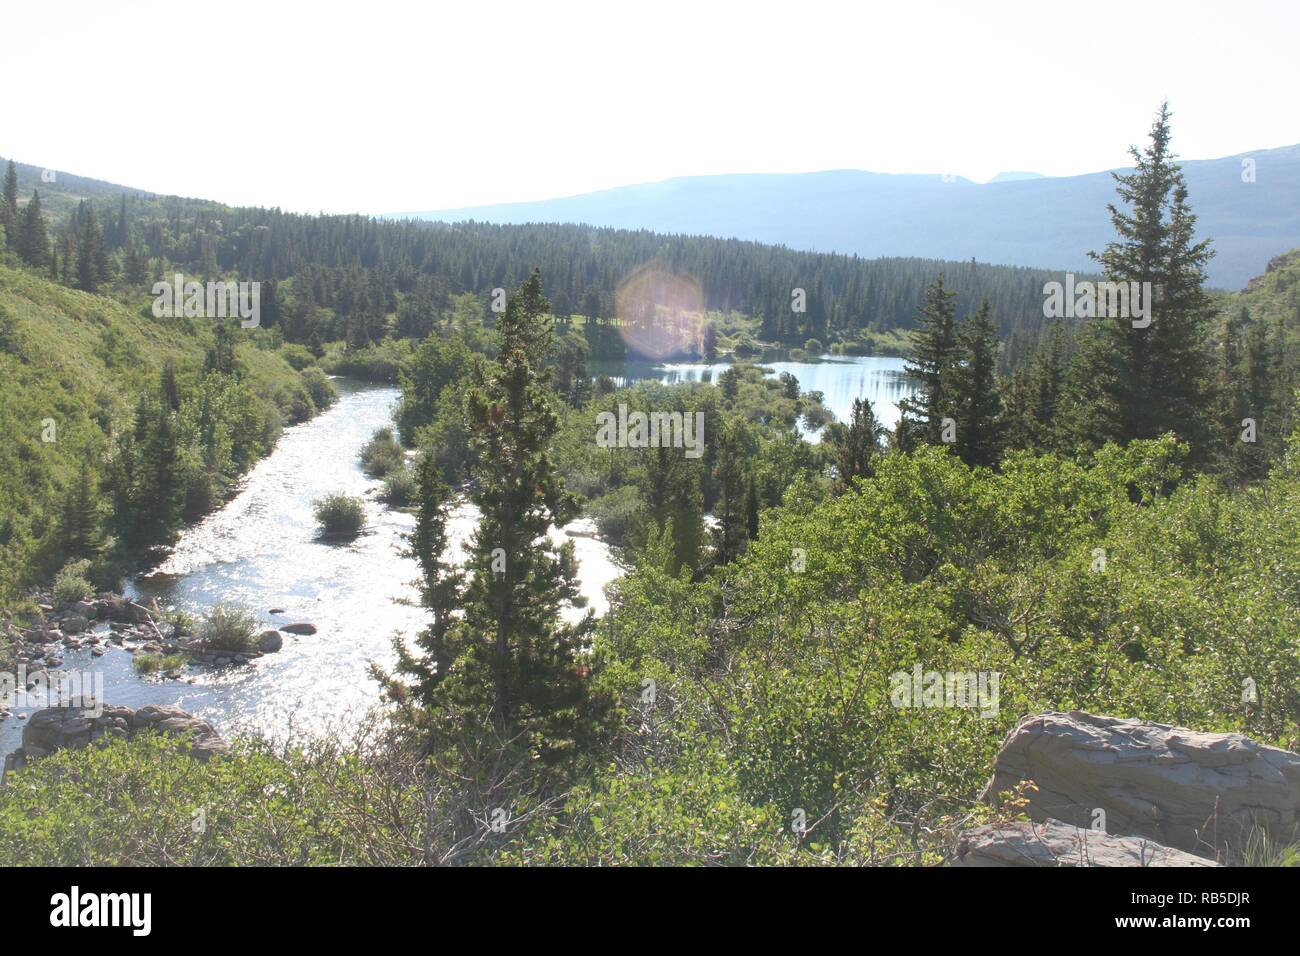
(400, 488)
(70, 583)
(319, 387)
(184, 623)
(227, 628)
(382, 454)
(299, 356)
(341, 515)
(169, 665)
(620, 514)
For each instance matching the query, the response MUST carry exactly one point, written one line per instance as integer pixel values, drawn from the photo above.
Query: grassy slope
(81, 360)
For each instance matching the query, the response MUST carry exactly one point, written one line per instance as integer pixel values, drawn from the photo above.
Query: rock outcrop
(59, 728)
(1193, 791)
(1053, 843)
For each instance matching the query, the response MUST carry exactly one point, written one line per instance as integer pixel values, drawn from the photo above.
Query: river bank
(261, 551)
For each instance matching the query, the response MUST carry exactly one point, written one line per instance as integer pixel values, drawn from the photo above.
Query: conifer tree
(857, 444)
(729, 475)
(9, 206)
(89, 245)
(976, 392)
(1034, 400)
(521, 664)
(930, 367)
(1130, 382)
(79, 526)
(33, 242)
(414, 682)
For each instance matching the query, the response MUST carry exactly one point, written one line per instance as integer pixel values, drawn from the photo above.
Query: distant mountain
(1044, 222)
(1012, 177)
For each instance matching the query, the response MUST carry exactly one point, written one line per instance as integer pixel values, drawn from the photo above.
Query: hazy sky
(383, 107)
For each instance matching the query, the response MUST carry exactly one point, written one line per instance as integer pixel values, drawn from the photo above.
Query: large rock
(269, 642)
(1053, 843)
(1199, 792)
(59, 728)
(301, 627)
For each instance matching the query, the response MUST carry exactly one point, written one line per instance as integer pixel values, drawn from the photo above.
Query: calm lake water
(840, 379)
(261, 551)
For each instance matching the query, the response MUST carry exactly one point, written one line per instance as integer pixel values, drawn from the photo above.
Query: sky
(387, 107)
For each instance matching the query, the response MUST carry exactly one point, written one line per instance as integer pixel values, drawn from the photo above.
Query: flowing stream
(261, 551)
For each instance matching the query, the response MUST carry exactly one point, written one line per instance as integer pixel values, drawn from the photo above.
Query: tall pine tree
(930, 366)
(520, 665)
(1131, 382)
(976, 392)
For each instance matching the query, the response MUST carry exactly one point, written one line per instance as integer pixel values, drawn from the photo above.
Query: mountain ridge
(1039, 222)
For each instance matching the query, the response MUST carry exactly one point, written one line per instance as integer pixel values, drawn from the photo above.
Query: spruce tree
(9, 206)
(79, 531)
(1034, 398)
(521, 666)
(33, 242)
(414, 682)
(976, 392)
(734, 447)
(1131, 382)
(88, 251)
(857, 444)
(930, 366)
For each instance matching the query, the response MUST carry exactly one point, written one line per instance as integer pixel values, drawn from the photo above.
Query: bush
(230, 629)
(299, 356)
(70, 583)
(619, 514)
(319, 387)
(400, 488)
(169, 665)
(382, 454)
(183, 623)
(341, 515)
(814, 347)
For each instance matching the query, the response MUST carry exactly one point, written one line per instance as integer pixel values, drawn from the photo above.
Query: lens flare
(660, 313)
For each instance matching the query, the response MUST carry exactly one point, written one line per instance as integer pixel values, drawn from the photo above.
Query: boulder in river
(301, 627)
(1193, 791)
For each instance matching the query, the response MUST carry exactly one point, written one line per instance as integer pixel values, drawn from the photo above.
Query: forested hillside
(350, 272)
(117, 425)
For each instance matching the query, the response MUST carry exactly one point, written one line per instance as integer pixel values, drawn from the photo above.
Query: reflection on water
(261, 551)
(840, 379)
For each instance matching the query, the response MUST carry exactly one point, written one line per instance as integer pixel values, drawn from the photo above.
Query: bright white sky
(384, 107)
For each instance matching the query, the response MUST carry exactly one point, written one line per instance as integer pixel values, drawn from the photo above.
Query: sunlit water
(262, 551)
(840, 379)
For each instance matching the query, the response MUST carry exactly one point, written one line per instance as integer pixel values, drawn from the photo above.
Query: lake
(840, 379)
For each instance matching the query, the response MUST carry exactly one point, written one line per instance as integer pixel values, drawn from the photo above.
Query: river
(261, 551)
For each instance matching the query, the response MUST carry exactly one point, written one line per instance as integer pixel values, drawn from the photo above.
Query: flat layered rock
(1199, 792)
(1053, 843)
(59, 728)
